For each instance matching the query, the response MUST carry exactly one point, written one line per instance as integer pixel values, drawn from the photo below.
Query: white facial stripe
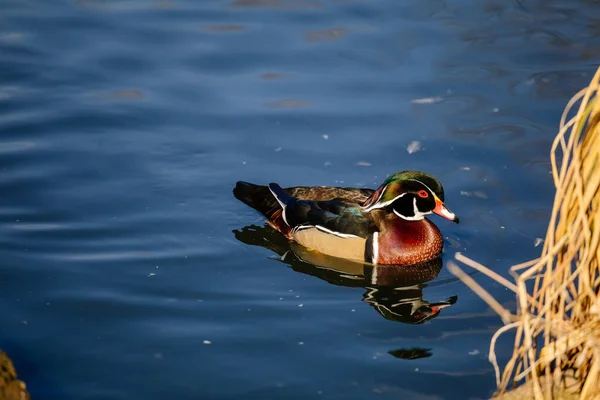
(416, 180)
(282, 206)
(387, 203)
(384, 204)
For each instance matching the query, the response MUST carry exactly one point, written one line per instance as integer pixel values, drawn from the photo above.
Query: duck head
(411, 195)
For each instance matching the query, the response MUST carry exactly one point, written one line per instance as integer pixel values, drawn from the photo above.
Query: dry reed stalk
(11, 388)
(561, 312)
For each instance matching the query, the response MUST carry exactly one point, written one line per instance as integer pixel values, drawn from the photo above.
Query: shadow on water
(395, 292)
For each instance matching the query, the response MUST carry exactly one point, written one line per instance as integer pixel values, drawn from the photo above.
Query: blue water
(129, 271)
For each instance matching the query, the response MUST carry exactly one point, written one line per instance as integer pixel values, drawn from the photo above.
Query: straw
(561, 311)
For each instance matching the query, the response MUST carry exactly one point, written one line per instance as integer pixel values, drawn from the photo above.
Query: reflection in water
(405, 304)
(412, 353)
(395, 292)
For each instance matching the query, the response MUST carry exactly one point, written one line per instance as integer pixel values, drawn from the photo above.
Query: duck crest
(385, 194)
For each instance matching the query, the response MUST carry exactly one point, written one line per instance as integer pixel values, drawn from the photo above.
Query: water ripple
(125, 125)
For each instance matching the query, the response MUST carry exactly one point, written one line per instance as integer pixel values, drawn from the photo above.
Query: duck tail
(256, 196)
(263, 200)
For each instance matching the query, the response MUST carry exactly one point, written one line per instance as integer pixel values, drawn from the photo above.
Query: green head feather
(399, 183)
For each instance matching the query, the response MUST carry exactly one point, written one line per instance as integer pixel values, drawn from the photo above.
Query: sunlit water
(129, 271)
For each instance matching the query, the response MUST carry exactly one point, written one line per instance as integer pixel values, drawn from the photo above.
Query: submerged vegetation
(557, 322)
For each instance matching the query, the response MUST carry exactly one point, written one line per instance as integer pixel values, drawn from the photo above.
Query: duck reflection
(411, 354)
(395, 292)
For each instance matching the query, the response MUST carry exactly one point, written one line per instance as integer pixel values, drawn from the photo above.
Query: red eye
(423, 194)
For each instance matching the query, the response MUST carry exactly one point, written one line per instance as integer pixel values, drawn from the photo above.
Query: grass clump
(557, 322)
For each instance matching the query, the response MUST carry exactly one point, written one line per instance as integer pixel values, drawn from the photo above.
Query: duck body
(383, 226)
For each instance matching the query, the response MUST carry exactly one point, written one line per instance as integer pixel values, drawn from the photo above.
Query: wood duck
(383, 226)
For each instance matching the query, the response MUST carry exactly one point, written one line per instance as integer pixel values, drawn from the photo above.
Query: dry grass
(557, 323)
(11, 388)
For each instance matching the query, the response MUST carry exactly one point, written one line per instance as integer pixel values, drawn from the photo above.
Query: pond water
(129, 271)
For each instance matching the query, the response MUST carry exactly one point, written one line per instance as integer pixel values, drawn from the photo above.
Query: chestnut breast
(408, 242)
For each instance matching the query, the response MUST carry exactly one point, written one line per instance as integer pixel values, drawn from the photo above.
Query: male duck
(383, 226)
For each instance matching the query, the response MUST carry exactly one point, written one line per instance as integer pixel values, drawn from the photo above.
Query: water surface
(129, 271)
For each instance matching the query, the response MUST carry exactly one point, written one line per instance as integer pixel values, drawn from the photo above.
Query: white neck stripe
(375, 248)
(404, 217)
(418, 214)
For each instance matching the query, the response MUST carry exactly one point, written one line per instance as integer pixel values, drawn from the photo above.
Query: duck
(383, 226)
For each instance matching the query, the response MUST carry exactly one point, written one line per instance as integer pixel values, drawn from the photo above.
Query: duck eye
(423, 194)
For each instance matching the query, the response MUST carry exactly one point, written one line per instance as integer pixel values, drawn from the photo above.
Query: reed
(557, 322)
(11, 388)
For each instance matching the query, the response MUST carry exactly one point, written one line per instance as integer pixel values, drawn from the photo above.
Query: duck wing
(336, 216)
(259, 197)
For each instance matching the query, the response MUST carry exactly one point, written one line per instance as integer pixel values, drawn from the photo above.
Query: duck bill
(443, 211)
